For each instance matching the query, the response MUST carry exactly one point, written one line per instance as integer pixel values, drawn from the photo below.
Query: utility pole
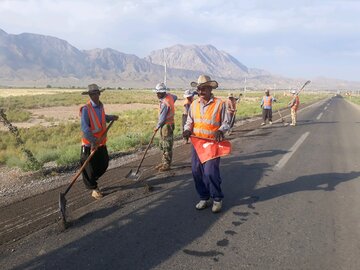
(164, 68)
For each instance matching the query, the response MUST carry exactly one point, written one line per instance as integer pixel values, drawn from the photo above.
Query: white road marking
(292, 150)
(319, 116)
(325, 108)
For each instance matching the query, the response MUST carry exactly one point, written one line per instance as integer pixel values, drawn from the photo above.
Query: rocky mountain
(206, 59)
(37, 60)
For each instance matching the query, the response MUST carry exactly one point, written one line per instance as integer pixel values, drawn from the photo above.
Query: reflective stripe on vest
(169, 102)
(97, 128)
(296, 104)
(205, 125)
(267, 101)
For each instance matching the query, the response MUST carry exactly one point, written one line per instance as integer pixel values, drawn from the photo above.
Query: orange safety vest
(231, 105)
(169, 102)
(296, 104)
(97, 127)
(207, 124)
(267, 101)
(186, 108)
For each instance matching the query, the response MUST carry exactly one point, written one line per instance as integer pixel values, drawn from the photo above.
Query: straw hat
(160, 88)
(204, 80)
(92, 89)
(230, 95)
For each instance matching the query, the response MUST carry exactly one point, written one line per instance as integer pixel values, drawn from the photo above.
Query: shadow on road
(167, 222)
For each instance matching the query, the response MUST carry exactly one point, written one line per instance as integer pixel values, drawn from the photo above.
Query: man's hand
(156, 129)
(186, 134)
(219, 135)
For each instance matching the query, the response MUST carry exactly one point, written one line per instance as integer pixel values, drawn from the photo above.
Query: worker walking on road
(266, 105)
(207, 119)
(93, 126)
(166, 125)
(189, 98)
(231, 108)
(294, 105)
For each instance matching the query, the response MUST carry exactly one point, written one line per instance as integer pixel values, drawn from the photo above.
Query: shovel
(282, 119)
(62, 199)
(135, 175)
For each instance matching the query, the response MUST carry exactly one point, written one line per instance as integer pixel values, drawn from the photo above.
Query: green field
(61, 143)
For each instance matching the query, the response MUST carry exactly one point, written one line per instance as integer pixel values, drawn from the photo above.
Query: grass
(133, 129)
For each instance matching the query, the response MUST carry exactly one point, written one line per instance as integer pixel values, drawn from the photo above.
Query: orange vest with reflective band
(169, 102)
(97, 126)
(296, 104)
(206, 125)
(267, 101)
(231, 105)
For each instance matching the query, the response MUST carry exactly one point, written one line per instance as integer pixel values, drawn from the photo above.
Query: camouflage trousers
(166, 143)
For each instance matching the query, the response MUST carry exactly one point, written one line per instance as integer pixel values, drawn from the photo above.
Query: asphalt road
(291, 202)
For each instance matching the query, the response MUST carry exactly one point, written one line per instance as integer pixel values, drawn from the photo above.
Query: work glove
(219, 135)
(186, 134)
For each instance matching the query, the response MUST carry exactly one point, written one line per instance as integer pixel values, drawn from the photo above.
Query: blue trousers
(206, 177)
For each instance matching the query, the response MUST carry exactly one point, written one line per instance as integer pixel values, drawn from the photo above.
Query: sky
(306, 39)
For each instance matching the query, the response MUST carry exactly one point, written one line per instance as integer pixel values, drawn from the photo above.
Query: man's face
(160, 95)
(205, 92)
(95, 97)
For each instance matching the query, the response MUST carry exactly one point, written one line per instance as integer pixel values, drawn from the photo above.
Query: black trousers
(267, 114)
(96, 167)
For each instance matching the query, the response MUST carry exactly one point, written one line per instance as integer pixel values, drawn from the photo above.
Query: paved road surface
(292, 196)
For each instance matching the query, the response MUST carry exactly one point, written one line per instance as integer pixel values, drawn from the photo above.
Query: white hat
(160, 88)
(293, 92)
(189, 93)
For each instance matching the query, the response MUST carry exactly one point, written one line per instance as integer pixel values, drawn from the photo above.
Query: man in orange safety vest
(207, 119)
(93, 126)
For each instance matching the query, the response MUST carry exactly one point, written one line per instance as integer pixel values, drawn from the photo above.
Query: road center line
(325, 108)
(319, 116)
(292, 150)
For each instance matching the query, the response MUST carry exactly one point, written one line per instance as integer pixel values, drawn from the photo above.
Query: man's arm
(225, 121)
(162, 117)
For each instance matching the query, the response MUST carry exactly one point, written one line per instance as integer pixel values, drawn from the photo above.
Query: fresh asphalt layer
(291, 197)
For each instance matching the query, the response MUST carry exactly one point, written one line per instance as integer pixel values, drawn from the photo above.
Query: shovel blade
(133, 175)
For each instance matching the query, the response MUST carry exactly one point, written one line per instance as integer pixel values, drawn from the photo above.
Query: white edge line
(292, 150)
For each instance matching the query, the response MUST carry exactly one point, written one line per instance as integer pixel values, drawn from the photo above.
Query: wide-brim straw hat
(204, 80)
(160, 88)
(92, 89)
(230, 95)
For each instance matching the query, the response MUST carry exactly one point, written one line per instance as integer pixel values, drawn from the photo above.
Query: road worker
(93, 126)
(266, 105)
(231, 108)
(166, 125)
(189, 98)
(294, 105)
(207, 119)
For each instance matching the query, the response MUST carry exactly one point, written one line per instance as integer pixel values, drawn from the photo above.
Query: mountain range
(38, 60)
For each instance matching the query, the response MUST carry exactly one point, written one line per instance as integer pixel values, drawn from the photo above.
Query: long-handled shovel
(282, 119)
(135, 175)
(62, 199)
